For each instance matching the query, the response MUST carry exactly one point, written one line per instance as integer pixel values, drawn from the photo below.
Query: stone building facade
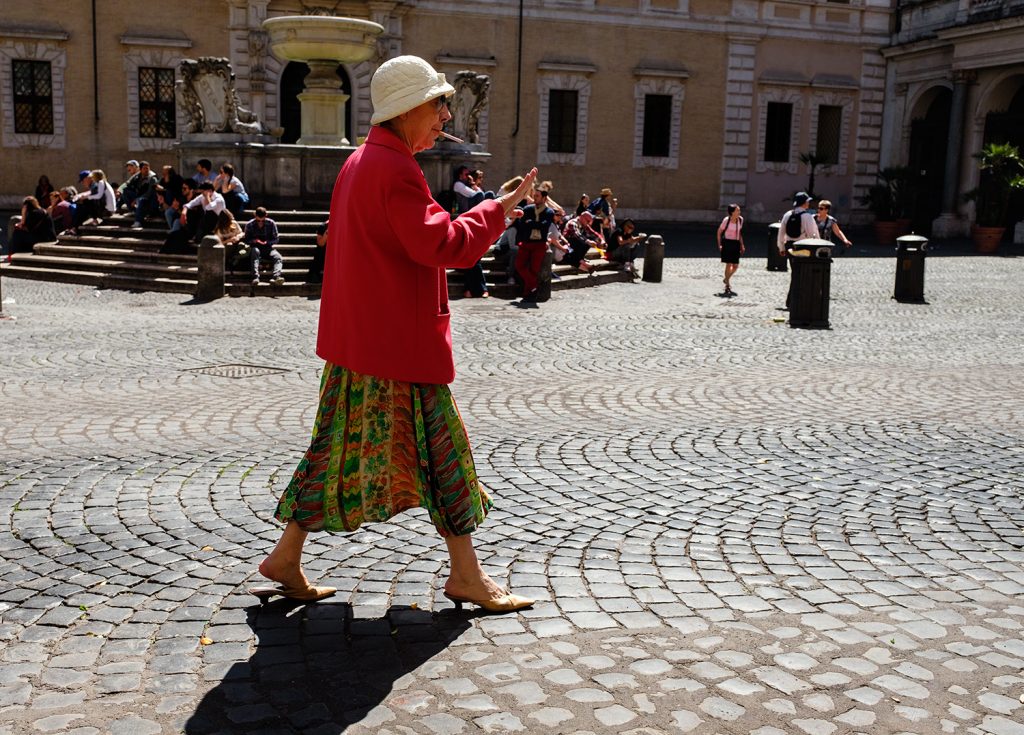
(680, 106)
(955, 81)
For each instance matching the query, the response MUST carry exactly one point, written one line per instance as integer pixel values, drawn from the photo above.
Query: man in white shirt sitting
(467, 193)
(199, 216)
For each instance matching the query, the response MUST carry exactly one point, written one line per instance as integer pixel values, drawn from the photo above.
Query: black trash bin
(811, 261)
(776, 261)
(910, 255)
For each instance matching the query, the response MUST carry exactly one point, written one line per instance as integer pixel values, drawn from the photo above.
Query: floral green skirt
(380, 447)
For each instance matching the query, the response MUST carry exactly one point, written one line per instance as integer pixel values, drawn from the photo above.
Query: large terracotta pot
(886, 232)
(986, 239)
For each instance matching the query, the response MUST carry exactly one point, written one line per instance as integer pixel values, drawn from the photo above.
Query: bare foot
(481, 588)
(287, 575)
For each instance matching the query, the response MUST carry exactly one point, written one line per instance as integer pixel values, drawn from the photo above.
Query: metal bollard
(654, 257)
(776, 261)
(911, 251)
(544, 277)
(211, 269)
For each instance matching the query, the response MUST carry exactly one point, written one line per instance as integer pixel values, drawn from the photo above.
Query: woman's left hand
(509, 201)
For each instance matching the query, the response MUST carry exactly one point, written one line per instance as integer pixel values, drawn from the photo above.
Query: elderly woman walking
(388, 436)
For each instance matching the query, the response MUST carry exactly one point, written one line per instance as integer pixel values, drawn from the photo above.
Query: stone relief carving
(259, 46)
(468, 103)
(206, 92)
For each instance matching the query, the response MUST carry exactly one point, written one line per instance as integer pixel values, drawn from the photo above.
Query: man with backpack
(797, 224)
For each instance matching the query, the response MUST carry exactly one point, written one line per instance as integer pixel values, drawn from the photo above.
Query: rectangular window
(830, 127)
(778, 125)
(33, 96)
(562, 107)
(657, 125)
(156, 103)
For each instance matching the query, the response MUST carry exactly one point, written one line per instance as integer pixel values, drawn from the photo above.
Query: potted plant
(1002, 171)
(887, 200)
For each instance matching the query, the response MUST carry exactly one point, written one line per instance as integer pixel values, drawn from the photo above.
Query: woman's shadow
(317, 668)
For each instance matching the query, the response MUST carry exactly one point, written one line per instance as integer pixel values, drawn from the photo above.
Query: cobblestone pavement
(730, 526)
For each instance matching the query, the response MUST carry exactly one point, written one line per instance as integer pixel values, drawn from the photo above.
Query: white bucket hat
(402, 83)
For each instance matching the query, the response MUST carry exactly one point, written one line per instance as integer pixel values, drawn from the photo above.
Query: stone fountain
(302, 175)
(323, 42)
(277, 174)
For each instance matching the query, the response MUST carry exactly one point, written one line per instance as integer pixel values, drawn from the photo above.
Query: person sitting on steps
(261, 236)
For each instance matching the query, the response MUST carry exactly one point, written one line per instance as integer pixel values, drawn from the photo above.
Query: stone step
(292, 288)
(100, 252)
(504, 290)
(97, 243)
(100, 280)
(155, 232)
(150, 269)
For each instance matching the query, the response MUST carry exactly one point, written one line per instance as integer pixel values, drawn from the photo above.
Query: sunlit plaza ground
(731, 526)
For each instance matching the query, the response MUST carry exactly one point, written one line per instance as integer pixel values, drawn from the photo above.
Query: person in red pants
(532, 237)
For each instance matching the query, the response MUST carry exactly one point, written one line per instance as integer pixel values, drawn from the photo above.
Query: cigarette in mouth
(452, 138)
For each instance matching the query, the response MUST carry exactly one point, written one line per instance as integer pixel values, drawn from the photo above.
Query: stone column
(949, 223)
(739, 101)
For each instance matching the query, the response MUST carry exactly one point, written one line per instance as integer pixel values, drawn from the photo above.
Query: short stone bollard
(654, 257)
(10, 236)
(544, 277)
(211, 269)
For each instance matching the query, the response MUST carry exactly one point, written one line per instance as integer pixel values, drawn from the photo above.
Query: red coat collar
(383, 136)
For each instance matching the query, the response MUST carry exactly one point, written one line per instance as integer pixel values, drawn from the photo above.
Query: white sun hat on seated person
(402, 83)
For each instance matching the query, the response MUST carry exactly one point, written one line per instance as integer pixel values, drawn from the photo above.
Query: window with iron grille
(156, 103)
(562, 109)
(33, 96)
(830, 128)
(657, 125)
(778, 126)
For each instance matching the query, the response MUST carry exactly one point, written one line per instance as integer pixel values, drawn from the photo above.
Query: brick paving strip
(730, 526)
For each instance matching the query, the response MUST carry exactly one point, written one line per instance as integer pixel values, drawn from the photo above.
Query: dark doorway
(928, 139)
(1007, 126)
(292, 82)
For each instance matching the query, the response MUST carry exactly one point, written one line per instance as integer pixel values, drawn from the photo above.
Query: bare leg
(467, 578)
(284, 564)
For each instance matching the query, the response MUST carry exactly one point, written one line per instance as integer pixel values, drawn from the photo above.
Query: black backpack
(794, 227)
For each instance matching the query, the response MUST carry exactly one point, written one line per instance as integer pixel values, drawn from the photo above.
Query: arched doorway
(291, 84)
(927, 160)
(1007, 126)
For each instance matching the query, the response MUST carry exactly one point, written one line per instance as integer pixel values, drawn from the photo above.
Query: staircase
(112, 255)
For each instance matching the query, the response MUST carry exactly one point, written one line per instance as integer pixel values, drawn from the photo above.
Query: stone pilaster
(866, 159)
(739, 101)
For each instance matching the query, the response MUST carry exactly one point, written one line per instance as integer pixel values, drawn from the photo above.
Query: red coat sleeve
(430, 236)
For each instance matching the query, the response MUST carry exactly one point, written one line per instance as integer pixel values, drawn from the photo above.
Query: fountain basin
(316, 37)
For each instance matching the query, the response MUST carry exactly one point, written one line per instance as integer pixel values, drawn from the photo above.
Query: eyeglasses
(822, 209)
(439, 103)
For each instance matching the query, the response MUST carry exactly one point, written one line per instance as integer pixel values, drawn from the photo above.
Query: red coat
(384, 309)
